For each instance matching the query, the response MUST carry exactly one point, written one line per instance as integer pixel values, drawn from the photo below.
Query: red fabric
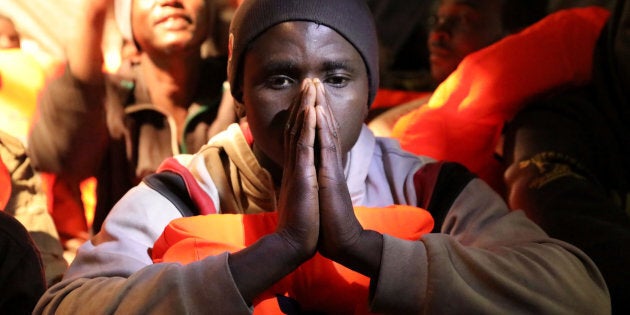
(319, 284)
(203, 202)
(65, 207)
(465, 116)
(389, 98)
(5, 185)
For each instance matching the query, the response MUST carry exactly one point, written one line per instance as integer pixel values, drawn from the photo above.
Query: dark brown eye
(279, 82)
(337, 80)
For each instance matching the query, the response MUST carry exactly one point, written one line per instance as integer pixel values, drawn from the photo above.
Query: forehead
(294, 38)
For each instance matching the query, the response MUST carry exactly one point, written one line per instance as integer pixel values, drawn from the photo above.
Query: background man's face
(460, 27)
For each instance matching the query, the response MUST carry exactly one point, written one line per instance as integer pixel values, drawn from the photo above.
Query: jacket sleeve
(486, 260)
(69, 131)
(21, 268)
(562, 170)
(114, 271)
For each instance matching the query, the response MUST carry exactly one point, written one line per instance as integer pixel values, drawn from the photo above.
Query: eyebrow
(288, 66)
(331, 65)
(282, 66)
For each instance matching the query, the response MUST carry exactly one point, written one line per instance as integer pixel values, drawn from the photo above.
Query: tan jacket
(27, 204)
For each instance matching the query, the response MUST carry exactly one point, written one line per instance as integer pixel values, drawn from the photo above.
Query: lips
(173, 16)
(439, 52)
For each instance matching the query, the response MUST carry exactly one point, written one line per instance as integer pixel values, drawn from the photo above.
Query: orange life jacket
(464, 118)
(319, 284)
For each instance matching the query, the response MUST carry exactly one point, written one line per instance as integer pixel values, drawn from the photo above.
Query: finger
(329, 124)
(293, 126)
(330, 166)
(304, 137)
(294, 108)
(323, 101)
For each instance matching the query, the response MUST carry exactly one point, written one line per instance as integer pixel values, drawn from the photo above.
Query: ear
(239, 108)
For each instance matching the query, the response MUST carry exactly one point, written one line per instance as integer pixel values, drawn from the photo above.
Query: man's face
(276, 64)
(9, 37)
(169, 26)
(459, 28)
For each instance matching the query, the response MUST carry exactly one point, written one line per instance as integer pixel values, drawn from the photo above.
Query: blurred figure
(458, 28)
(464, 119)
(119, 128)
(21, 79)
(567, 159)
(21, 272)
(402, 33)
(22, 196)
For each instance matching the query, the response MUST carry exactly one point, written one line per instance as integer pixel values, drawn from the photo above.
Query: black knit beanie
(352, 19)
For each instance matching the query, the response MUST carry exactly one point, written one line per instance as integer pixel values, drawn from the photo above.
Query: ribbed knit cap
(352, 19)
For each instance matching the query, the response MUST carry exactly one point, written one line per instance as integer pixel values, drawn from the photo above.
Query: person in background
(21, 79)
(305, 79)
(461, 27)
(22, 196)
(456, 29)
(464, 119)
(402, 32)
(118, 129)
(566, 157)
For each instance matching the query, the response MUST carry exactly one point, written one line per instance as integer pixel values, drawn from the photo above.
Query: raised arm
(69, 130)
(295, 239)
(84, 49)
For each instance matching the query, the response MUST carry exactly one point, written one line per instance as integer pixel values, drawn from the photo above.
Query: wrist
(364, 256)
(260, 265)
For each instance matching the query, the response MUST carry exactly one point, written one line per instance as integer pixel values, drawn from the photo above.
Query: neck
(172, 81)
(272, 167)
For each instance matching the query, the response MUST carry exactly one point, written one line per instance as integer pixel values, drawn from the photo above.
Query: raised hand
(84, 50)
(298, 206)
(297, 232)
(342, 238)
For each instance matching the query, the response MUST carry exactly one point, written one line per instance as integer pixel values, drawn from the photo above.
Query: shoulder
(14, 234)
(141, 215)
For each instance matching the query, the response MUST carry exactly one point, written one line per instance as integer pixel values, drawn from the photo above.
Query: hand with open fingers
(298, 206)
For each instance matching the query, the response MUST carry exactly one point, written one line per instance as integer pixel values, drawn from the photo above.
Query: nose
(440, 30)
(437, 37)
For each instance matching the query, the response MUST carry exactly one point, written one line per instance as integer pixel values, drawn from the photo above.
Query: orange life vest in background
(319, 284)
(464, 118)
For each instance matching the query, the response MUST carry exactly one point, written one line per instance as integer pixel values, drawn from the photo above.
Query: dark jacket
(75, 136)
(22, 279)
(569, 161)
